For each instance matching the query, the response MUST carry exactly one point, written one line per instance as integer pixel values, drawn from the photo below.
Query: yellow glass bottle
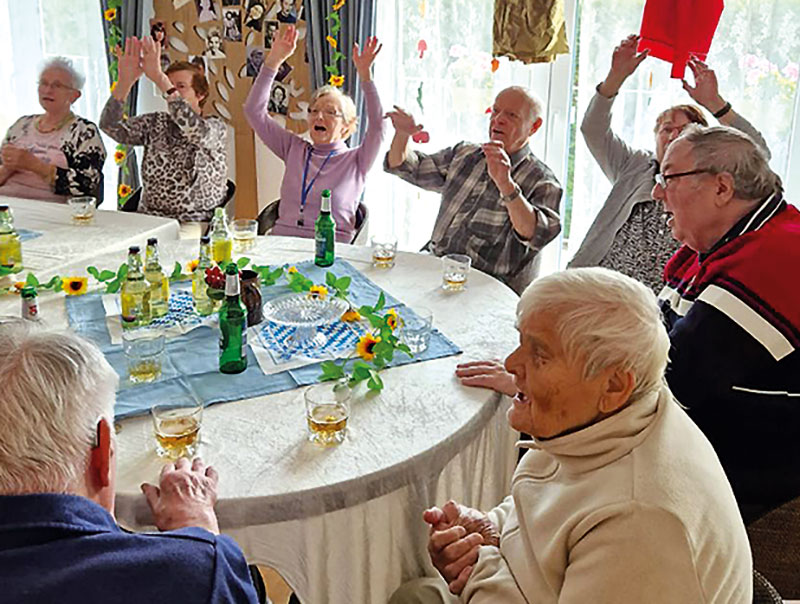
(10, 245)
(221, 239)
(157, 280)
(203, 305)
(135, 293)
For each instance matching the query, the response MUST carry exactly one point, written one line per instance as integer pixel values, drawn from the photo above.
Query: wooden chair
(269, 215)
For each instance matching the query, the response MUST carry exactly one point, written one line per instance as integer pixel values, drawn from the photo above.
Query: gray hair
(605, 318)
(535, 106)
(56, 386)
(347, 103)
(722, 149)
(64, 64)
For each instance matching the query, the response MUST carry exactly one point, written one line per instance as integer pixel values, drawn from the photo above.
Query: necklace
(67, 118)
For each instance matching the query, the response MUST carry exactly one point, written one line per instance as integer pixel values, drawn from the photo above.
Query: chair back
(763, 591)
(360, 233)
(775, 543)
(267, 217)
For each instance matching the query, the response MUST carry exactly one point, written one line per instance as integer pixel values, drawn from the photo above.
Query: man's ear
(725, 188)
(536, 125)
(101, 454)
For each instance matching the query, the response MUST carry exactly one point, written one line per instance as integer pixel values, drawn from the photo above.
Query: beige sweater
(633, 509)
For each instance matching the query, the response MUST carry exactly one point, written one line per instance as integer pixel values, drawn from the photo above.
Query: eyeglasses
(324, 112)
(662, 180)
(54, 85)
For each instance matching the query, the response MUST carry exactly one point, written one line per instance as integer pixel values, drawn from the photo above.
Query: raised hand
(151, 59)
(487, 374)
(625, 59)
(283, 46)
(130, 62)
(705, 91)
(498, 164)
(186, 496)
(403, 122)
(363, 59)
(624, 62)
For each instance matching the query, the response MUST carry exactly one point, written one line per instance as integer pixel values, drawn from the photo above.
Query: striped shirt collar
(752, 221)
(519, 155)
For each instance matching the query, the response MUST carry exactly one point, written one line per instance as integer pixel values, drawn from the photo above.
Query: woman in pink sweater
(326, 162)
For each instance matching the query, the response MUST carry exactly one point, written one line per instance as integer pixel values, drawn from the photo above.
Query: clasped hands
(140, 57)
(456, 534)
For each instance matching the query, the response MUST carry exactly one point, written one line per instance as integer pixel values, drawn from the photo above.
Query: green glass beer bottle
(232, 326)
(325, 232)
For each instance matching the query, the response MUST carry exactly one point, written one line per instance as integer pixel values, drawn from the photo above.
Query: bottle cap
(3, 208)
(28, 291)
(326, 193)
(205, 239)
(134, 249)
(152, 241)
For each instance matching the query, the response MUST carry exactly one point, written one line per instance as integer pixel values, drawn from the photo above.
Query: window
(32, 31)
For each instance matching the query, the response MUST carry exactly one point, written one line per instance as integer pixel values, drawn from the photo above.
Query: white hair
(56, 386)
(76, 78)
(533, 101)
(345, 102)
(606, 319)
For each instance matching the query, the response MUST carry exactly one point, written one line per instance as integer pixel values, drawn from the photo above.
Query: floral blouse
(82, 148)
(184, 168)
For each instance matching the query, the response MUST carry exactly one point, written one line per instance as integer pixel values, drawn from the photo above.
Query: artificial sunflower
(392, 318)
(19, 285)
(339, 4)
(124, 190)
(110, 14)
(113, 86)
(336, 80)
(119, 156)
(291, 270)
(332, 41)
(192, 264)
(351, 316)
(75, 286)
(318, 292)
(366, 346)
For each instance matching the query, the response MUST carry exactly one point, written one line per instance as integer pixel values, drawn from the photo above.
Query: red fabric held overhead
(674, 30)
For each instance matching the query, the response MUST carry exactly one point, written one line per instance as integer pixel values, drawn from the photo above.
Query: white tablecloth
(62, 242)
(344, 524)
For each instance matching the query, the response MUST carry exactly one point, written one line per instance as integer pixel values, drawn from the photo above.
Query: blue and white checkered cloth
(181, 311)
(341, 340)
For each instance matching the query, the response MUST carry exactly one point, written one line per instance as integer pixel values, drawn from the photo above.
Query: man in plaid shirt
(499, 202)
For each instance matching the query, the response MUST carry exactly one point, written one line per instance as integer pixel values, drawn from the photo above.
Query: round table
(344, 524)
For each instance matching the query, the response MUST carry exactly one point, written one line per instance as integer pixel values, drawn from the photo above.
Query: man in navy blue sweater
(59, 541)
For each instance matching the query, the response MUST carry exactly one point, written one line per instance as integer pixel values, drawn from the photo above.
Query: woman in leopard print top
(56, 155)
(184, 169)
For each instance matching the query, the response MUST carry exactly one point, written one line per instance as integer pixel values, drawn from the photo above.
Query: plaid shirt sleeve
(545, 199)
(426, 171)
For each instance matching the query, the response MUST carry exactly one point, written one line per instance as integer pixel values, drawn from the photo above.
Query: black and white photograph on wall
(271, 29)
(206, 11)
(158, 32)
(255, 14)
(278, 100)
(214, 47)
(255, 58)
(283, 71)
(231, 2)
(232, 25)
(287, 12)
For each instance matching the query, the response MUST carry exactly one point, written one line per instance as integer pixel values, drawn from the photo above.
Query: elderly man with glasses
(732, 306)
(629, 234)
(59, 541)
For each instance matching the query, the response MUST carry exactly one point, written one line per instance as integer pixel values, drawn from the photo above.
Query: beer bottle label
(321, 245)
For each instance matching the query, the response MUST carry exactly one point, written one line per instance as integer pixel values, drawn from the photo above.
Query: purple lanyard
(307, 189)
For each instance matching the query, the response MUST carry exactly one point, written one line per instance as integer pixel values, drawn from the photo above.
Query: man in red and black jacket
(732, 307)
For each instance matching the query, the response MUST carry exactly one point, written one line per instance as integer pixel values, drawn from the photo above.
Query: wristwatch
(506, 199)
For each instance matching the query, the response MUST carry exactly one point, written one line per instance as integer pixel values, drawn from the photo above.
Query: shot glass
(327, 411)
(244, 234)
(83, 209)
(384, 250)
(177, 429)
(144, 353)
(415, 330)
(455, 270)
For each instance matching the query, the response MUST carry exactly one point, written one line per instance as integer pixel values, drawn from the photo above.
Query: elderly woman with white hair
(619, 498)
(326, 162)
(54, 155)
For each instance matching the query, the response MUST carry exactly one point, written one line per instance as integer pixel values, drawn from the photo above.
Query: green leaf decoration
(10, 270)
(54, 283)
(113, 286)
(176, 272)
(242, 262)
(331, 371)
(337, 56)
(332, 69)
(95, 273)
(381, 302)
(105, 275)
(122, 271)
(405, 348)
(375, 382)
(32, 280)
(330, 280)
